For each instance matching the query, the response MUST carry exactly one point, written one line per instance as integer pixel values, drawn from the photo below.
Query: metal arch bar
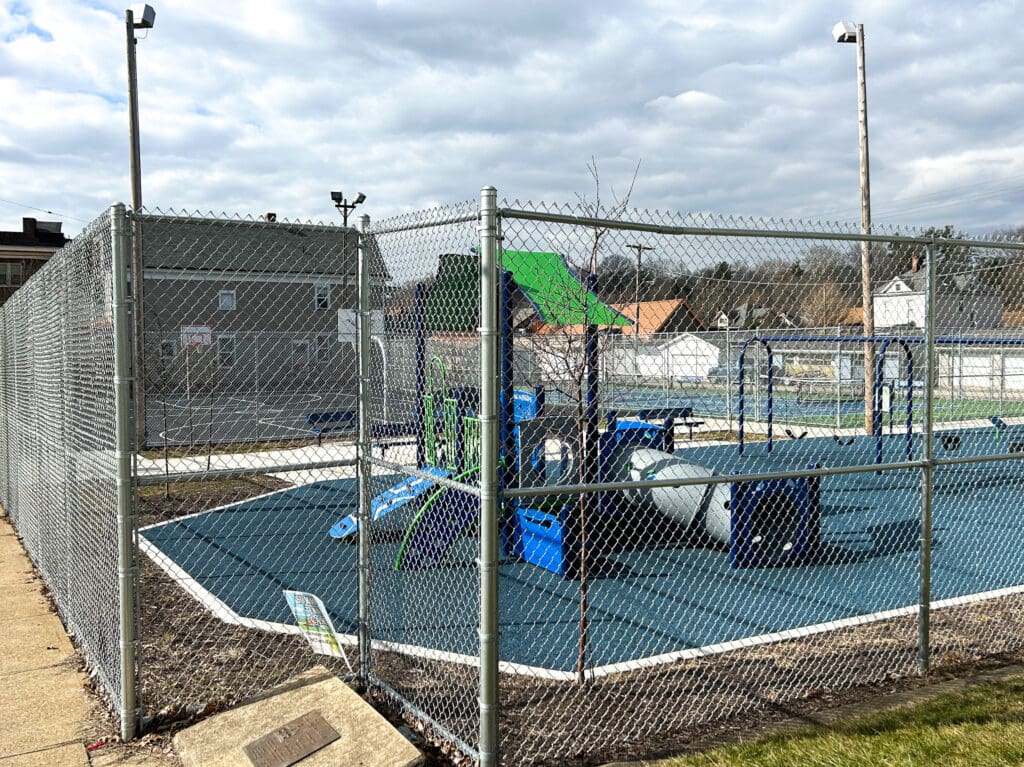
(740, 399)
(876, 416)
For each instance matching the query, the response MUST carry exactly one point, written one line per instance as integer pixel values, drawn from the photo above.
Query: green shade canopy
(557, 294)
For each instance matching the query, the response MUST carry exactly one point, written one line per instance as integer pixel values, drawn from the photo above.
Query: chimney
(915, 262)
(28, 227)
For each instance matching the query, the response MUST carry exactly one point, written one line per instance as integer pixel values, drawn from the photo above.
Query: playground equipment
(761, 523)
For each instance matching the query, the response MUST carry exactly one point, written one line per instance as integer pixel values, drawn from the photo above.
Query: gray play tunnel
(683, 504)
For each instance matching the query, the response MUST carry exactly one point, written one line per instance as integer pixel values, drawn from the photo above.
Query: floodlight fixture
(845, 32)
(143, 16)
(343, 205)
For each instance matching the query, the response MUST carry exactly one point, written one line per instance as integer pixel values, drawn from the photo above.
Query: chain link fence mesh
(717, 506)
(247, 458)
(424, 600)
(642, 615)
(57, 440)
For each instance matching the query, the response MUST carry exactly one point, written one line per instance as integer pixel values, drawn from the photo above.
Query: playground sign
(315, 624)
(196, 335)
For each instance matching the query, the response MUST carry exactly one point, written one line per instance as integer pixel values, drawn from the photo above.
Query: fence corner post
(363, 452)
(124, 448)
(489, 479)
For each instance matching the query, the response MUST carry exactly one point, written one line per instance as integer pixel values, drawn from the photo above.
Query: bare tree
(825, 305)
(582, 378)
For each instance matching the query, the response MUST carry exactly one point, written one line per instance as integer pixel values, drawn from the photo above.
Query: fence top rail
(211, 218)
(946, 340)
(410, 226)
(637, 226)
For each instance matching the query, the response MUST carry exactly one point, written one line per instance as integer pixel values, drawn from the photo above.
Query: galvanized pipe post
(489, 452)
(364, 449)
(135, 166)
(927, 469)
(124, 448)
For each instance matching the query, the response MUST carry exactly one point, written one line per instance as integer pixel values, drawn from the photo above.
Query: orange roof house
(667, 316)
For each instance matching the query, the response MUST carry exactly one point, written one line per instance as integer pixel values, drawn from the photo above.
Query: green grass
(983, 725)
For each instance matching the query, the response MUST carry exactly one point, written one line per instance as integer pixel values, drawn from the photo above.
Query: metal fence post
(121, 308)
(924, 602)
(364, 448)
(489, 504)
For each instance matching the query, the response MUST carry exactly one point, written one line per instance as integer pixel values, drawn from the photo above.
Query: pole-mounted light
(344, 205)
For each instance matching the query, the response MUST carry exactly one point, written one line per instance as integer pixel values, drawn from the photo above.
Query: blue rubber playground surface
(658, 594)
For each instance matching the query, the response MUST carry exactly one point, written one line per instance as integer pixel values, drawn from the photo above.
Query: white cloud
(255, 106)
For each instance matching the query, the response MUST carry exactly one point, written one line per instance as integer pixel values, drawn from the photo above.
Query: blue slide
(390, 500)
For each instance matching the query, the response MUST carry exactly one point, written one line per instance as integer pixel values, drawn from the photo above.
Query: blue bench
(332, 420)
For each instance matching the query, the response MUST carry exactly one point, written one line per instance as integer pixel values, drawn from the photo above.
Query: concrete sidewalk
(42, 695)
(45, 707)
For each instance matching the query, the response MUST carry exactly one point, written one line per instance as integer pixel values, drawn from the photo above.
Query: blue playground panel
(658, 595)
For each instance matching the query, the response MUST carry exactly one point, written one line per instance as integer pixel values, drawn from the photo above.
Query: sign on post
(196, 335)
(315, 624)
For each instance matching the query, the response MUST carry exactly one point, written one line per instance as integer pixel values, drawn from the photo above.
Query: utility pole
(636, 295)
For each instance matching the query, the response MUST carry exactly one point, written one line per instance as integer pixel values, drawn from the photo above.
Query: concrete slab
(65, 755)
(41, 709)
(22, 601)
(33, 642)
(367, 738)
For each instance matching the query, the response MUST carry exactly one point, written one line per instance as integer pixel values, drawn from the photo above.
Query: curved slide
(437, 525)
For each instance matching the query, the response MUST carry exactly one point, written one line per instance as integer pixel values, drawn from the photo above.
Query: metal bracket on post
(364, 454)
(489, 479)
(124, 448)
(924, 602)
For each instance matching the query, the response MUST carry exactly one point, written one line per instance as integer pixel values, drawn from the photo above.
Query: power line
(42, 210)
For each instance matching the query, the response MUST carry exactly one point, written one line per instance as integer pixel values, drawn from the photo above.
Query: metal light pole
(848, 32)
(344, 205)
(145, 21)
(636, 292)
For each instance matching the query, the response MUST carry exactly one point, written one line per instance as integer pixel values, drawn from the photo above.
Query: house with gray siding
(234, 306)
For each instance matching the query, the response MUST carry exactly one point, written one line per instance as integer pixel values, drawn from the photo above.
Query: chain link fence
(57, 439)
(568, 483)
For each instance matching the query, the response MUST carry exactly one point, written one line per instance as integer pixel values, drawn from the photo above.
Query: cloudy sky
(732, 107)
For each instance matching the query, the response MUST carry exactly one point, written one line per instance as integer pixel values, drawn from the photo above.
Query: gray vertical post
(121, 307)
(136, 244)
(489, 440)
(364, 448)
(1002, 382)
(728, 376)
(924, 602)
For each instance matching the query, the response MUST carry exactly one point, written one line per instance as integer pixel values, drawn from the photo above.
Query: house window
(168, 351)
(300, 354)
(225, 350)
(226, 300)
(324, 342)
(10, 274)
(322, 295)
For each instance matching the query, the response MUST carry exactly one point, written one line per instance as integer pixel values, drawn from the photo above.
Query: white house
(689, 357)
(960, 303)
